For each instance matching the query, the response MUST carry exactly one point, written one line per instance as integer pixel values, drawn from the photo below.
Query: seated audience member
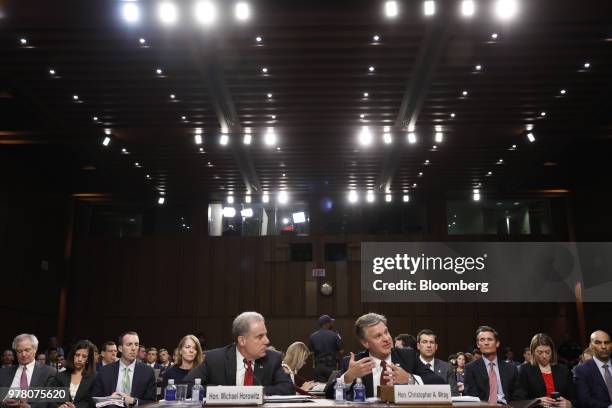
(526, 358)
(109, 354)
(164, 360)
(61, 364)
(427, 344)
(469, 357)
(8, 358)
(151, 358)
(476, 354)
(41, 359)
(189, 356)
(509, 357)
(54, 345)
(490, 378)
(295, 358)
(142, 354)
(381, 363)
(247, 361)
(460, 371)
(96, 355)
(127, 378)
(27, 374)
(543, 375)
(52, 359)
(593, 378)
(78, 377)
(586, 354)
(405, 340)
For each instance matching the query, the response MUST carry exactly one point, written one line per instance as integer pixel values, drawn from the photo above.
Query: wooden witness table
(328, 403)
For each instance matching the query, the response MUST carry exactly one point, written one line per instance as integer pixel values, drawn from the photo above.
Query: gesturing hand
(358, 369)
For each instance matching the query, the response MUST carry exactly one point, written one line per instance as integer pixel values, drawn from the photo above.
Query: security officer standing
(326, 345)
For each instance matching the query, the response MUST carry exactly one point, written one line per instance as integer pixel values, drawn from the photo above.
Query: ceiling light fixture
(391, 9)
(168, 13)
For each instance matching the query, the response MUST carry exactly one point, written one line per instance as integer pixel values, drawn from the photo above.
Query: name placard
(417, 394)
(234, 395)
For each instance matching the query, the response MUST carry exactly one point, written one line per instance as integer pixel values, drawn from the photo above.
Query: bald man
(594, 377)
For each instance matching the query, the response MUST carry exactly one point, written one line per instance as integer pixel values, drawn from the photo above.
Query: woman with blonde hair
(189, 355)
(295, 358)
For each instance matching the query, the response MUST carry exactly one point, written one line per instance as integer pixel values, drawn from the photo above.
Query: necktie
(127, 386)
(383, 380)
(428, 365)
(23, 382)
(608, 379)
(248, 375)
(492, 384)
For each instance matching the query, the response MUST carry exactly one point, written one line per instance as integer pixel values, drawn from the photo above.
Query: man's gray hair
(25, 336)
(242, 323)
(367, 320)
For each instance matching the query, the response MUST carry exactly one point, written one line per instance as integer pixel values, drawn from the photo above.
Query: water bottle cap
(358, 380)
(171, 381)
(198, 381)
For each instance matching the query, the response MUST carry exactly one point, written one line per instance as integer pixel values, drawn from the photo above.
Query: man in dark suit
(127, 378)
(247, 361)
(490, 378)
(109, 354)
(593, 378)
(27, 374)
(427, 344)
(151, 359)
(381, 363)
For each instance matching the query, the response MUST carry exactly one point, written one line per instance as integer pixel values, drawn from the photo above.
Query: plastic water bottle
(359, 391)
(170, 391)
(339, 396)
(197, 392)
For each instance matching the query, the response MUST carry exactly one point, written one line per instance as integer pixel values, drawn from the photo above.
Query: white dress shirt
(29, 371)
(241, 369)
(377, 371)
(425, 362)
(122, 367)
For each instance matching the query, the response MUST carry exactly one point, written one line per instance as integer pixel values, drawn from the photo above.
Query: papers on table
(465, 398)
(287, 398)
(106, 401)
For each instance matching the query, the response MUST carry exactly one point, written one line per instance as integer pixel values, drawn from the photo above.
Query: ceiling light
(130, 12)
(513, 147)
(365, 94)
(229, 212)
(439, 137)
(464, 93)
(494, 36)
(161, 200)
(124, 151)
(264, 70)
(273, 117)
(158, 71)
(148, 177)
(246, 213)
(95, 118)
(490, 173)
(198, 139)
(478, 67)
(168, 13)
(258, 39)
(107, 131)
(75, 97)
(23, 41)
(136, 164)
(434, 147)
(353, 197)
(365, 136)
(285, 221)
(542, 113)
(405, 198)
(562, 92)
(223, 140)
(299, 217)
(429, 8)
(500, 161)
(376, 38)
(531, 137)
(371, 68)
(205, 12)
(242, 11)
(201, 150)
(283, 197)
(476, 196)
(106, 141)
(172, 96)
(183, 117)
(387, 138)
(270, 137)
(51, 72)
(452, 115)
(230, 199)
(269, 96)
(420, 174)
(361, 116)
(587, 65)
(412, 138)
(388, 198)
(414, 185)
(370, 196)
(247, 198)
(391, 9)
(247, 139)
(142, 41)
(426, 162)
(506, 9)
(265, 198)
(468, 8)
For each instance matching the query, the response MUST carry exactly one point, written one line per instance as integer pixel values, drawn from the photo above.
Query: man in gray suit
(427, 344)
(27, 374)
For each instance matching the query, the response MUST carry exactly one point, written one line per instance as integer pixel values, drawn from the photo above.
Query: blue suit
(591, 389)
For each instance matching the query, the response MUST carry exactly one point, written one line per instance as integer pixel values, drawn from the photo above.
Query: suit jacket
(143, 382)
(219, 368)
(447, 373)
(477, 380)
(406, 358)
(532, 382)
(82, 399)
(40, 378)
(591, 391)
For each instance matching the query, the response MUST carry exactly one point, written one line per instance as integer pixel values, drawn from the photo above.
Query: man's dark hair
(426, 332)
(120, 342)
(483, 329)
(407, 340)
(109, 343)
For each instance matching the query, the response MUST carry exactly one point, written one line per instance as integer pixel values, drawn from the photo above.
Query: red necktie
(248, 375)
(23, 382)
(383, 380)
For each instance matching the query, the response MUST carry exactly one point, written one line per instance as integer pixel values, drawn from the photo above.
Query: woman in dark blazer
(78, 377)
(544, 376)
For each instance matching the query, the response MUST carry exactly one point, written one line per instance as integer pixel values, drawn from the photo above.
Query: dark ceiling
(318, 56)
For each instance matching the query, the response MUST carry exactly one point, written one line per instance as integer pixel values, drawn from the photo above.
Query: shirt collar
(487, 361)
(240, 358)
(377, 361)
(131, 366)
(601, 363)
(425, 362)
(30, 366)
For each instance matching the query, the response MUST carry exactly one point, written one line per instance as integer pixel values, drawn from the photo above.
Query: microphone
(256, 379)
